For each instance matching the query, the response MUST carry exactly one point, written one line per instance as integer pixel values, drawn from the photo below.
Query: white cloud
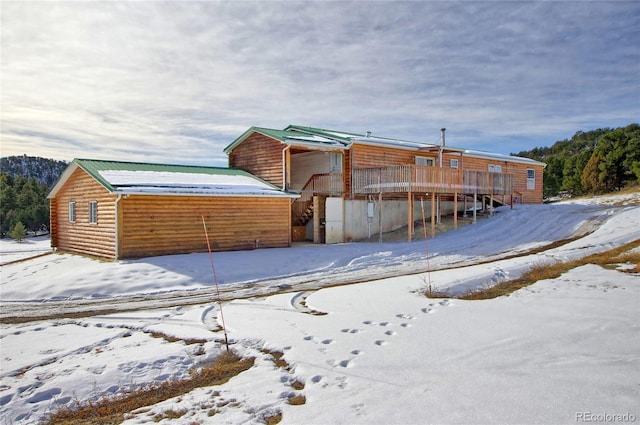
(178, 81)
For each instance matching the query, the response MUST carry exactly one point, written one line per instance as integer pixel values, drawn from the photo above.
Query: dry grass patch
(609, 259)
(273, 419)
(297, 385)
(278, 359)
(111, 410)
(170, 414)
(297, 399)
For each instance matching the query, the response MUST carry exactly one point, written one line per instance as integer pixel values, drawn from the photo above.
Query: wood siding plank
(261, 156)
(95, 239)
(156, 225)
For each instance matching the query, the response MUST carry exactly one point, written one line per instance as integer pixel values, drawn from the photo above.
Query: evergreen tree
(19, 232)
(591, 182)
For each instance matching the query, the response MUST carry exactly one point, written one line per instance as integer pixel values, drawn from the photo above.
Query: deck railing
(424, 178)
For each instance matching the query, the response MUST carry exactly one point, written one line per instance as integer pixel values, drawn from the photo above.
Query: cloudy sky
(175, 82)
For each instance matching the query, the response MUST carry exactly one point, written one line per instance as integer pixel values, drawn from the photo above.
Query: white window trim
(93, 212)
(453, 163)
(425, 160)
(531, 181)
(336, 162)
(72, 212)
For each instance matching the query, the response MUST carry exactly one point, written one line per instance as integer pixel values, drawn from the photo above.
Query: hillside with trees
(592, 162)
(25, 182)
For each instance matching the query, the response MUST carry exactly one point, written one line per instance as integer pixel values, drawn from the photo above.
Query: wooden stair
(306, 214)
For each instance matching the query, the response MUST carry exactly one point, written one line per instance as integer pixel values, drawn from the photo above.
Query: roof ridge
(160, 164)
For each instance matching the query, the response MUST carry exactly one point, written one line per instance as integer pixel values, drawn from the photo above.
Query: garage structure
(119, 210)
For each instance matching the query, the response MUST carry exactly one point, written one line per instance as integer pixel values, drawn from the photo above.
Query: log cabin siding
(161, 225)
(366, 156)
(261, 156)
(519, 171)
(95, 239)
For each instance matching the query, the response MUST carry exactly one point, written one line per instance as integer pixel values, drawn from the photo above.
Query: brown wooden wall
(161, 225)
(261, 156)
(519, 171)
(365, 156)
(84, 237)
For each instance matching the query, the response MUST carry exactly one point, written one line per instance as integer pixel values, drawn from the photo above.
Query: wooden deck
(424, 178)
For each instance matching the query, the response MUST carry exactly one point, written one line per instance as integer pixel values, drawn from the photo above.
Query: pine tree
(19, 232)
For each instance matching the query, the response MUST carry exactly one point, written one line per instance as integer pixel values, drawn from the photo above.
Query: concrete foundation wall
(390, 216)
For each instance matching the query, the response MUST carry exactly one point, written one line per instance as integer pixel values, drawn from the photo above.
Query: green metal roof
(120, 177)
(93, 168)
(343, 136)
(293, 135)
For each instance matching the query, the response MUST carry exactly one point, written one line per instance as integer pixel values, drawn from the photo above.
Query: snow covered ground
(565, 350)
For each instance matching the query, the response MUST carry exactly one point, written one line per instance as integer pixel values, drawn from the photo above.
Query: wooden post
(475, 205)
(380, 215)
(455, 210)
(316, 220)
(410, 217)
(287, 174)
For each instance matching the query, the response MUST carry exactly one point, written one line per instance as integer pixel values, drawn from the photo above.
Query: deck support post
(455, 210)
(410, 216)
(464, 213)
(380, 214)
(475, 206)
(317, 238)
(491, 205)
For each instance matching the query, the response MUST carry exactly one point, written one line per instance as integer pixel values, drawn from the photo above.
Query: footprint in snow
(44, 395)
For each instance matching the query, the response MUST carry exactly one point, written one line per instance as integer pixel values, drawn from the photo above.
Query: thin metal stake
(215, 281)
(426, 242)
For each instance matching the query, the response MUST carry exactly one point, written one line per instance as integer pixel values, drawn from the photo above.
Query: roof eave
(245, 135)
(66, 174)
(126, 193)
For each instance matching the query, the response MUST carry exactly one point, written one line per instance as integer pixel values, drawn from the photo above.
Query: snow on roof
(166, 182)
(143, 178)
(315, 139)
(391, 142)
(510, 158)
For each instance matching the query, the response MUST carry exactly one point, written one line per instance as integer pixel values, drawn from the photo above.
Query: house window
(336, 162)
(72, 212)
(495, 168)
(423, 160)
(531, 179)
(453, 163)
(93, 212)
